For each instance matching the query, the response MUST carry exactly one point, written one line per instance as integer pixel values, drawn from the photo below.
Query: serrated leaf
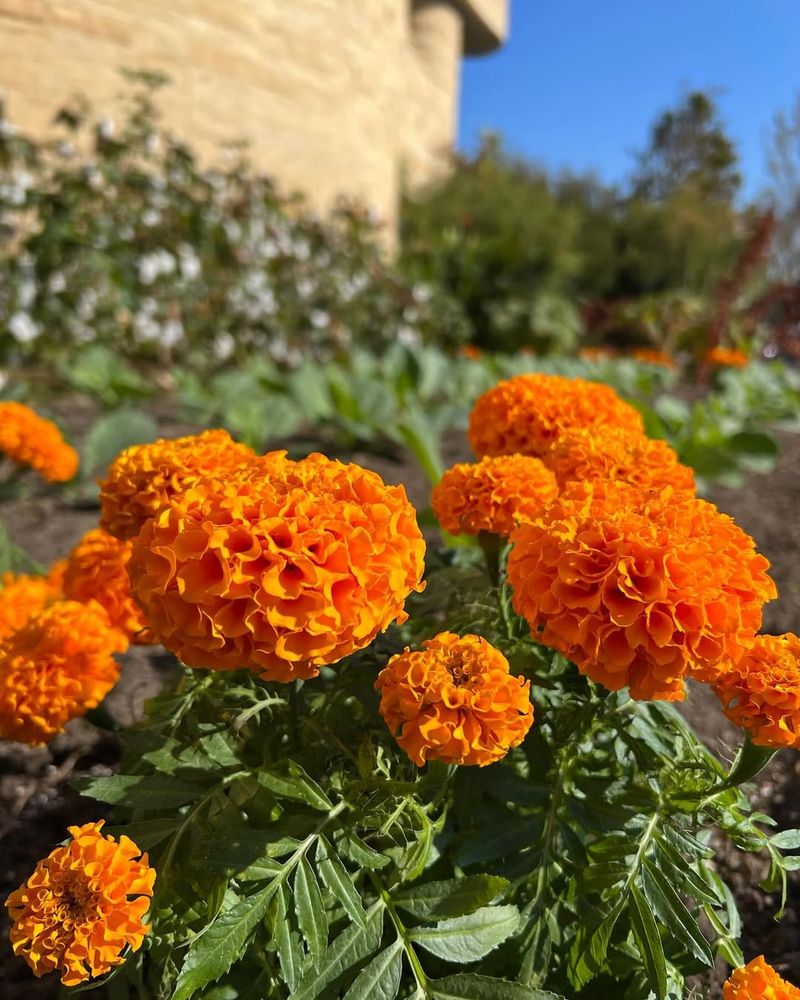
(310, 910)
(590, 947)
(290, 781)
(380, 980)
(149, 832)
(351, 947)
(648, 941)
(212, 953)
(354, 848)
(287, 941)
(468, 938)
(671, 909)
(339, 881)
(149, 791)
(453, 898)
(499, 840)
(468, 986)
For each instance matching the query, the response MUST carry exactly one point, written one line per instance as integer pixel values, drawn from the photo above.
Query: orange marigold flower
(727, 357)
(56, 667)
(651, 356)
(281, 567)
(761, 693)
(471, 351)
(490, 494)
(618, 455)
(143, 478)
(97, 571)
(591, 353)
(28, 439)
(24, 595)
(454, 701)
(758, 981)
(83, 906)
(639, 588)
(526, 414)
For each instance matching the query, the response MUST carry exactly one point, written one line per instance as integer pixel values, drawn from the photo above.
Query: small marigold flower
(651, 356)
(592, 353)
(30, 440)
(97, 571)
(83, 906)
(55, 668)
(761, 693)
(618, 455)
(726, 357)
(526, 414)
(470, 351)
(141, 479)
(758, 981)
(24, 595)
(490, 494)
(639, 588)
(454, 701)
(281, 567)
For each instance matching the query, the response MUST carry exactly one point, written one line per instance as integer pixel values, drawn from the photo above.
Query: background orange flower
(526, 414)
(652, 356)
(83, 906)
(143, 478)
(758, 981)
(639, 588)
(727, 357)
(281, 567)
(24, 595)
(31, 440)
(488, 495)
(454, 701)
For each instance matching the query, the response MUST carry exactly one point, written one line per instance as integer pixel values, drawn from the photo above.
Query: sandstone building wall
(334, 96)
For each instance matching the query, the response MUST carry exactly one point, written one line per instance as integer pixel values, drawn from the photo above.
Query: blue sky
(580, 81)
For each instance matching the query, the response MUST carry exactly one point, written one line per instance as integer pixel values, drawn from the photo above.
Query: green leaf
(468, 938)
(290, 781)
(670, 908)
(468, 986)
(149, 832)
(499, 840)
(310, 910)
(590, 946)
(287, 941)
(111, 434)
(380, 980)
(354, 848)
(136, 791)
(454, 898)
(13, 559)
(350, 947)
(212, 953)
(648, 942)
(786, 840)
(339, 881)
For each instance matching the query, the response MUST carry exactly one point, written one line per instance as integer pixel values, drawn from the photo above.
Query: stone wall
(334, 96)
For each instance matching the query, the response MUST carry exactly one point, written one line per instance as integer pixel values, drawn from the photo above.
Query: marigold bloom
(31, 440)
(727, 357)
(143, 478)
(639, 587)
(97, 571)
(470, 351)
(526, 414)
(651, 356)
(281, 567)
(592, 353)
(761, 693)
(490, 494)
(56, 667)
(454, 701)
(620, 456)
(83, 906)
(758, 981)
(24, 595)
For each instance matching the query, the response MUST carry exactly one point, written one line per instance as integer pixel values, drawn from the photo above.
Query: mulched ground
(37, 803)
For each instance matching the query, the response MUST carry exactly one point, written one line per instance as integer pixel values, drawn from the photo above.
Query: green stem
(402, 933)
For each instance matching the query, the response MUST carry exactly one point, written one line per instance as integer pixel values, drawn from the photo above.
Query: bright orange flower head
(24, 595)
(83, 906)
(639, 588)
(526, 414)
(490, 494)
(761, 693)
(143, 478)
(454, 701)
(97, 571)
(651, 356)
(31, 440)
(727, 357)
(758, 981)
(620, 456)
(281, 567)
(55, 668)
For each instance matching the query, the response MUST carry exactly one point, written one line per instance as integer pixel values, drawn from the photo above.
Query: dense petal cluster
(56, 667)
(491, 494)
(454, 701)
(30, 440)
(281, 567)
(761, 693)
(83, 906)
(24, 595)
(97, 571)
(526, 414)
(141, 479)
(727, 357)
(639, 588)
(758, 981)
(620, 456)
(652, 356)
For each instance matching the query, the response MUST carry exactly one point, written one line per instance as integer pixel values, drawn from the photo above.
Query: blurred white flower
(171, 333)
(153, 265)
(151, 217)
(223, 346)
(189, 262)
(56, 283)
(22, 328)
(106, 128)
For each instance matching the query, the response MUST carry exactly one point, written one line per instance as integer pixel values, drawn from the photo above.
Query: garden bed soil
(37, 803)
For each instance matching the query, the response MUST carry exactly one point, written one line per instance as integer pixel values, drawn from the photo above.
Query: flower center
(459, 671)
